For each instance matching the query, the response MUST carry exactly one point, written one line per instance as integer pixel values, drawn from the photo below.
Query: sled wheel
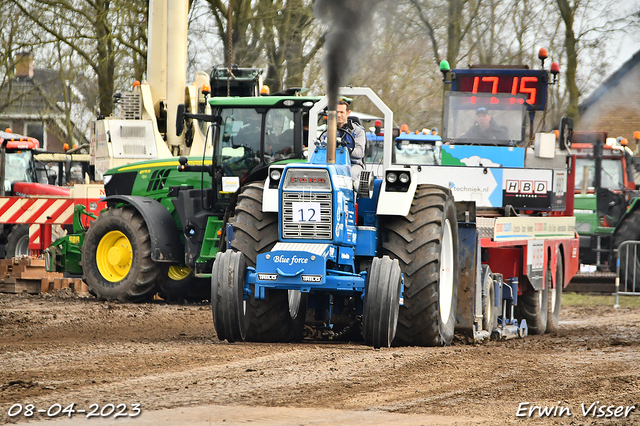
(227, 296)
(490, 311)
(534, 307)
(381, 302)
(555, 296)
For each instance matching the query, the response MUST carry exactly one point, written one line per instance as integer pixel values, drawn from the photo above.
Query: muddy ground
(64, 349)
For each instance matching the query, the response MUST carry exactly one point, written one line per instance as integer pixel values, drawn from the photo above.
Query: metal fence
(628, 270)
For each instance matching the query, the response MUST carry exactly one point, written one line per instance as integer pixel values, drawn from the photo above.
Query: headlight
(275, 174)
(309, 179)
(106, 179)
(392, 177)
(404, 178)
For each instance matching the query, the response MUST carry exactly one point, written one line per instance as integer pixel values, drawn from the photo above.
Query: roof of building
(32, 95)
(612, 81)
(39, 95)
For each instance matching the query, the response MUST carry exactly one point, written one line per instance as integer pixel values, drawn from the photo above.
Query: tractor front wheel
(116, 257)
(228, 304)
(280, 316)
(381, 302)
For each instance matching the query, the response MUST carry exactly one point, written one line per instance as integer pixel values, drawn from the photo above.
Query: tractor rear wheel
(425, 242)
(227, 296)
(381, 302)
(17, 242)
(555, 296)
(178, 284)
(280, 316)
(629, 230)
(116, 257)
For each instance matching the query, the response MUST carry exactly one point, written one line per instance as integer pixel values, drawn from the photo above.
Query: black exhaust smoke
(347, 37)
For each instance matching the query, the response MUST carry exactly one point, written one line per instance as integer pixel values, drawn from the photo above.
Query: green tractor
(151, 237)
(606, 203)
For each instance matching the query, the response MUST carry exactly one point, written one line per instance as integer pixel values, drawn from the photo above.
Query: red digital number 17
(492, 80)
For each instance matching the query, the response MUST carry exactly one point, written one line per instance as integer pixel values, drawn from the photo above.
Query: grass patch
(587, 299)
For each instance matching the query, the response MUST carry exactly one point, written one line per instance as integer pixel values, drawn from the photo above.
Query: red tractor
(19, 173)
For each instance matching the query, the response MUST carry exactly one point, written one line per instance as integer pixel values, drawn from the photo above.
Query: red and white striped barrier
(43, 211)
(15, 210)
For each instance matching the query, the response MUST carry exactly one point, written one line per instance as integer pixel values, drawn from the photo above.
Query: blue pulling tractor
(313, 245)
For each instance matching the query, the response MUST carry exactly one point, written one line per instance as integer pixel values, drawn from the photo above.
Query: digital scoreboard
(531, 83)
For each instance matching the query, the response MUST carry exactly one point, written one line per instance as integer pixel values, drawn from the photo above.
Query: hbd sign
(527, 189)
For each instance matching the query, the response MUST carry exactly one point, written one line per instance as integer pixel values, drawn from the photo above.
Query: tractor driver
(486, 127)
(354, 136)
(249, 134)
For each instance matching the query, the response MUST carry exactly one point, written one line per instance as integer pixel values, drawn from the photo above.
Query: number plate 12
(306, 212)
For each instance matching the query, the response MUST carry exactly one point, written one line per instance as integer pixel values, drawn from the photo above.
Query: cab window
(278, 142)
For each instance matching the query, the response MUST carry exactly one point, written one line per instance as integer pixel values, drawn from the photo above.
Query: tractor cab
(248, 135)
(19, 165)
(484, 119)
(420, 147)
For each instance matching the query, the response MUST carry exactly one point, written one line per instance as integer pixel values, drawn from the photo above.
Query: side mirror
(180, 120)
(566, 132)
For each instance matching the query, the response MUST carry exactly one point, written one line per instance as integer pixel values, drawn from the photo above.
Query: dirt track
(67, 350)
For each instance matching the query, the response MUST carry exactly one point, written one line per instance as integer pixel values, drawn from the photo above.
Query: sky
(627, 43)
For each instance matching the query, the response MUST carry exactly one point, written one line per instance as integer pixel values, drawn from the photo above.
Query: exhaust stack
(332, 133)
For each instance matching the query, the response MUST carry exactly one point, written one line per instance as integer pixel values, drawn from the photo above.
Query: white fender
(397, 203)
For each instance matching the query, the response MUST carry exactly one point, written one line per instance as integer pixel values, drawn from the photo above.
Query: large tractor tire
(534, 307)
(381, 302)
(228, 305)
(629, 230)
(425, 242)
(280, 316)
(178, 284)
(17, 242)
(116, 257)
(555, 296)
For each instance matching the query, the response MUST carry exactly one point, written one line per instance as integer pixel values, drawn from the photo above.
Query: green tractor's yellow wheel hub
(114, 256)
(178, 273)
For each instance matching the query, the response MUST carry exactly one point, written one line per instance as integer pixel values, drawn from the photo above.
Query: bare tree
(281, 33)
(13, 39)
(290, 41)
(246, 29)
(90, 28)
(568, 11)
(459, 21)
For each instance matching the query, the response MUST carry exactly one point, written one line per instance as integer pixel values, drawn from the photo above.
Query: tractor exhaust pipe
(332, 131)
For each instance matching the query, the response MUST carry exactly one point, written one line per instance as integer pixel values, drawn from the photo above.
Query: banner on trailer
(521, 228)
